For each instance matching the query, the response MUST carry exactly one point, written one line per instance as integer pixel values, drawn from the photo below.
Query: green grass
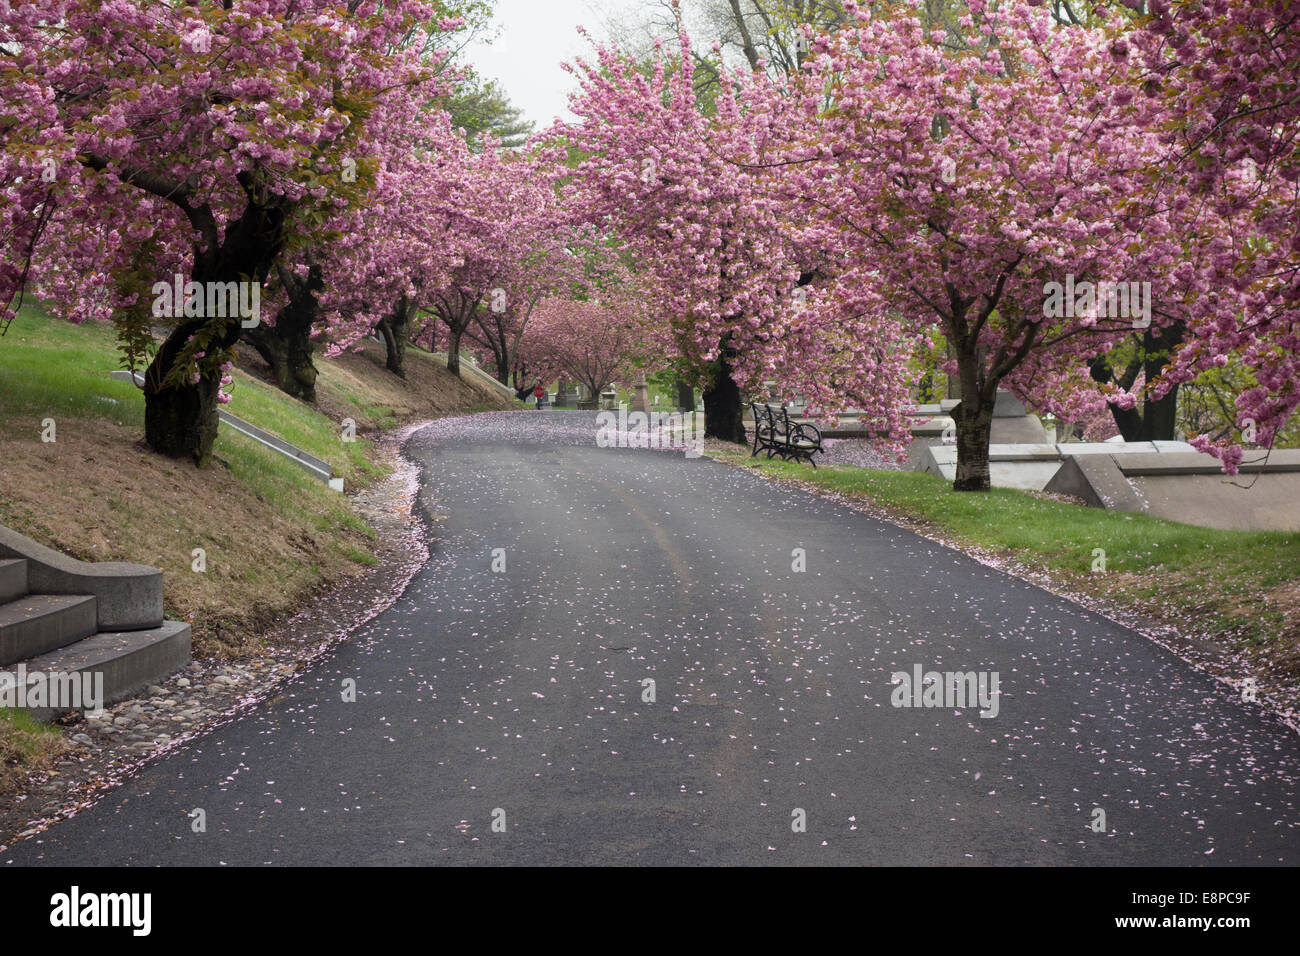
(273, 477)
(24, 740)
(51, 368)
(301, 425)
(1220, 577)
(377, 415)
(359, 556)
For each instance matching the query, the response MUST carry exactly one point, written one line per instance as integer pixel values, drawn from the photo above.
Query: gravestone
(641, 397)
(565, 397)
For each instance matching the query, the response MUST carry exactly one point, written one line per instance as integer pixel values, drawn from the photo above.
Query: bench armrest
(806, 432)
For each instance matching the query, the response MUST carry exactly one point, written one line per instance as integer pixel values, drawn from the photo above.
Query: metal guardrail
(316, 467)
(481, 375)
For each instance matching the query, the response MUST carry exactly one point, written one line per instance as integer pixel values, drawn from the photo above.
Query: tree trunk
(973, 416)
(723, 412)
(395, 328)
(974, 420)
(686, 396)
(453, 350)
(180, 421)
(953, 381)
(392, 356)
(287, 346)
(1158, 420)
(1128, 421)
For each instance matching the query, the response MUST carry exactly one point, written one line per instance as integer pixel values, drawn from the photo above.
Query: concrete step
(39, 623)
(127, 596)
(128, 661)
(13, 579)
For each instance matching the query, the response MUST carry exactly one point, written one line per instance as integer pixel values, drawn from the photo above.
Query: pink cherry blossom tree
(551, 255)
(218, 126)
(594, 341)
(493, 213)
(396, 240)
(970, 179)
(735, 263)
(1220, 89)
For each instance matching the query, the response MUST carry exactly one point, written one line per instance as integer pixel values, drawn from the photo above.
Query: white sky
(535, 37)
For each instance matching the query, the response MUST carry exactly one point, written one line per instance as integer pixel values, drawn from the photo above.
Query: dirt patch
(1287, 653)
(24, 753)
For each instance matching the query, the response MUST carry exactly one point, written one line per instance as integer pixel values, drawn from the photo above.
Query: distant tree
(480, 106)
(594, 342)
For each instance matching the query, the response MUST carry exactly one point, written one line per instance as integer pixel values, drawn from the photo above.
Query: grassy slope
(355, 385)
(271, 533)
(1241, 589)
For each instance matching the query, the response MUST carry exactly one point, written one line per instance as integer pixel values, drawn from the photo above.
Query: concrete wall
(1191, 488)
(1031, 467)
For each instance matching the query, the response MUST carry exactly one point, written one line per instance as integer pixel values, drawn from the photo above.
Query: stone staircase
(66, 623)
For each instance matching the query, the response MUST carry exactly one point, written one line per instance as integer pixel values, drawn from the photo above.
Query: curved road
(523, 691)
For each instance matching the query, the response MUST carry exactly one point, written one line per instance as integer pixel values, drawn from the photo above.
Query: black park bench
(777, 435)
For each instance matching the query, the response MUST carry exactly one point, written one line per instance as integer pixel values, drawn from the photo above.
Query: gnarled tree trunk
(453, 349)
(287, 346)
(180, 417)
(180, 421)
(395, 328)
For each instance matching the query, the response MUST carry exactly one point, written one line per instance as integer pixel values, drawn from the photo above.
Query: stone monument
(565, 397)
(641, 399)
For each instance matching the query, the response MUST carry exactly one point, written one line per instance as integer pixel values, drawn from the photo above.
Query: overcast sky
(535, 37)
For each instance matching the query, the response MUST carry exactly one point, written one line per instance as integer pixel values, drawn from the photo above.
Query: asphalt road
(519, 695)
